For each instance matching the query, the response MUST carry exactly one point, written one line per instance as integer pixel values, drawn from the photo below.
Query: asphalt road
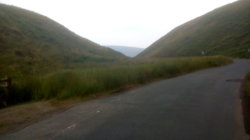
(204, 105)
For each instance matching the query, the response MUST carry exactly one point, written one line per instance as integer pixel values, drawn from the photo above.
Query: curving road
(204, 105)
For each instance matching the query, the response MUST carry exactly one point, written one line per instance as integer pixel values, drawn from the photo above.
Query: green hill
(223, 31)
(30, 42)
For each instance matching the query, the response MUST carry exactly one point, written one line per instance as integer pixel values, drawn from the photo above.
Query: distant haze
(128, 51)
(120, 22)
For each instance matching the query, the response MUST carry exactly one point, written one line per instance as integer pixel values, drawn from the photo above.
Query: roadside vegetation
(106, 78)
(246, 103)
(248, 84)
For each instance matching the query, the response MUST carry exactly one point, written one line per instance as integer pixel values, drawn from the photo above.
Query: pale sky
(136, 23)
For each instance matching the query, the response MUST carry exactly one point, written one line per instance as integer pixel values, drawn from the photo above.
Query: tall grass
(86, 81)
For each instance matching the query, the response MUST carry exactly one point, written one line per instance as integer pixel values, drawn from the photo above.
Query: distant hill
(32, 42)
(223, 31)
(128, 51)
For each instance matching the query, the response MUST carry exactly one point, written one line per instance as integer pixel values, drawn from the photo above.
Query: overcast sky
(136, 23)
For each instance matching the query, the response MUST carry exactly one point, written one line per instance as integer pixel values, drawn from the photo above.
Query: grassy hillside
(31, 43)
(224, 31)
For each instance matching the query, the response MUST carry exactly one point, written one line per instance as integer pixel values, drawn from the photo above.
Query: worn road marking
(69, 127)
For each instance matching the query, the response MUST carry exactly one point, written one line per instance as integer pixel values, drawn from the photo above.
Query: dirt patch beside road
(17, 117)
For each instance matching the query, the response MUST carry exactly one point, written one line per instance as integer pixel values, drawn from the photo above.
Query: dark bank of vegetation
(68, 83)
(224, 31)
(248, 84)
(246, 103)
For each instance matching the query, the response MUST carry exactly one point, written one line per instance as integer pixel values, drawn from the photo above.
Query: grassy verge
(87, 81)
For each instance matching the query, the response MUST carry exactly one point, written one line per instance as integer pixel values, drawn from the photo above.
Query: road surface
(204, 105)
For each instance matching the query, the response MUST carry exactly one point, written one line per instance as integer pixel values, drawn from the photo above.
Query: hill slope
(128, 51)
(224, 31)
(29, 41)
